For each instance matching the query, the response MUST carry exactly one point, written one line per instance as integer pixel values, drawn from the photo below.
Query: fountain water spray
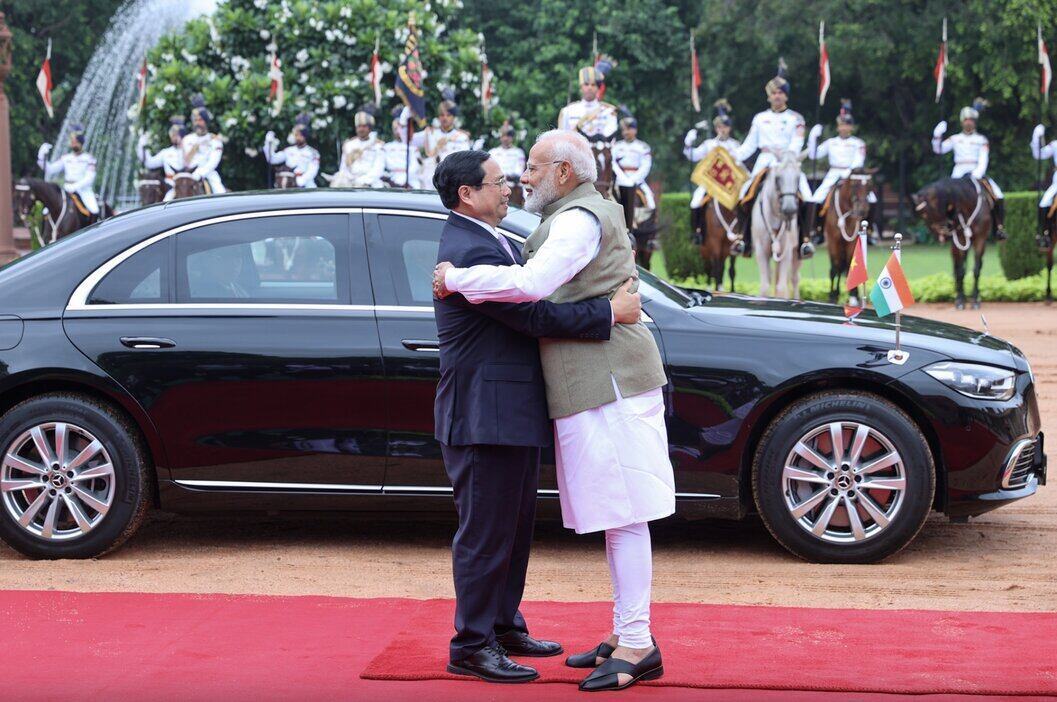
(108, 89)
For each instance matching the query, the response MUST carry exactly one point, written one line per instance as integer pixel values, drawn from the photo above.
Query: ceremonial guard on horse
(1046, 204)
(846, 155)
(512, 160)
(971, 155)
(362, 158)
(723, 124)
(169, 160)
(773, 132)
(595, 119)
(203, 150)
(402, 164)
(77, 168)
(301, 160)
(443, 139)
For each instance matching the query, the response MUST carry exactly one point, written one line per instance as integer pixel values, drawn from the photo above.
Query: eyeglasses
(533, 167)
(498, 182)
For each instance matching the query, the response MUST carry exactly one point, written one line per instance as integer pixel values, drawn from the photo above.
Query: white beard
(541, 196)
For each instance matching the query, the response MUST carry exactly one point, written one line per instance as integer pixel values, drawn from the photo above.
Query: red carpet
(186, 648)
(776, 648)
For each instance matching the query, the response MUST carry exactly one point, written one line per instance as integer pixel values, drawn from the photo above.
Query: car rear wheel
(74, 477)
(843, 477)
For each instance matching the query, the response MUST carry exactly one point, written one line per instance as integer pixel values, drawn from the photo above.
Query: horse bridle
(53, 221)
(776, 232)
(843, 216)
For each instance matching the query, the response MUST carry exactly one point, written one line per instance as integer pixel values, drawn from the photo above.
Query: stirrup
(1044, 242)
(1000, 234)
(737, 248)
(807, 250)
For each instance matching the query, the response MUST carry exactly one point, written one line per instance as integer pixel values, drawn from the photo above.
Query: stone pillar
(7, 235)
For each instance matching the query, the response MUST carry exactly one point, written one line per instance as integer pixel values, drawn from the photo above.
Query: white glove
(44, 150)
(1038, 134)
(270, 138)
(941, 129)
(478, 144)
(815, 132)
(143, 139)
(68, 187)
(691, 137)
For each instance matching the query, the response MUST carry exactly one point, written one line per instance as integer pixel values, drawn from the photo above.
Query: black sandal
(605, 677)
(588, 658)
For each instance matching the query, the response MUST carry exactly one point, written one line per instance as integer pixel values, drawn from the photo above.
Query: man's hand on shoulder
(627, 305)
(439, 290)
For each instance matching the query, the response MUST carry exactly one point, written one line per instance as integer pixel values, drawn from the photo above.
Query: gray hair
(573, 148)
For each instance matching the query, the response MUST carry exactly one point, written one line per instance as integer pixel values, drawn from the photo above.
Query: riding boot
(874, 237)
(811, 223)
(743, 246)
(999, 214)
(1045, 239)
(806, 215)
(697, 225)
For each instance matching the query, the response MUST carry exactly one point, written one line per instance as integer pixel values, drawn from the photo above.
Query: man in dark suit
(491, 420)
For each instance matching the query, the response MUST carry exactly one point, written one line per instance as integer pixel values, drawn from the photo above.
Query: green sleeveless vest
(579, 373)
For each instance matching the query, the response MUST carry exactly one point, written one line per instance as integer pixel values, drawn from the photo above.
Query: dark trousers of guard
(626, 196)
(495, 496)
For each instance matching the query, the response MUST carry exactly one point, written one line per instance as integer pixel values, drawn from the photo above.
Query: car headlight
(973, 380)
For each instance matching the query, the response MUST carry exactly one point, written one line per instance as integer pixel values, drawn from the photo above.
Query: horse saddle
(829, 200)
(986, 185)
(79, 204)
(754, 187)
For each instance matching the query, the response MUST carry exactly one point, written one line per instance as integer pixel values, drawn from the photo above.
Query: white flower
(321, 123)
(302, 55)
(303, 79)
(167, 57)
(340, 101)
(265, 34)
(310, 90)
(249, 118)
(299, 102)
(329, 34)
(159, 102)
(251, 152)
(169, 88)
(260, 4)
(325, 64)
(345, 11)
(230, 122)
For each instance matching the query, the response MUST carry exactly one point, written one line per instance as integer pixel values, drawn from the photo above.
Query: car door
(402, 246)
(251, 342)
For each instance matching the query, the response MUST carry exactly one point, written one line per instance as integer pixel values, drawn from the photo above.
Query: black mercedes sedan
(277, 352)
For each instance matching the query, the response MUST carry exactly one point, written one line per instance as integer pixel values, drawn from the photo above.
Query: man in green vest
(614, 474)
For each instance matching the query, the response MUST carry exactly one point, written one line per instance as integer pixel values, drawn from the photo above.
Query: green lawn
(919, 260)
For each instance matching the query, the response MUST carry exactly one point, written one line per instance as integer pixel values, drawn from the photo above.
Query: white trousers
(1047, 197)
(962, 170)
(832, 177)
(630, 557)
(87, 196)
(766, 160)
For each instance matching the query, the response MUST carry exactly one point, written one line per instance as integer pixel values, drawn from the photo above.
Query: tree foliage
(75, 29)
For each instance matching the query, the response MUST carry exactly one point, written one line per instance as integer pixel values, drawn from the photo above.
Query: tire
(80, 527)
(808, 509)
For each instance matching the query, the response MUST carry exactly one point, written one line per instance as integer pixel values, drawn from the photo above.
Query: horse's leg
(732, 260)
(762, 252)
(1049, 272)
(781, 271)
(959, 279)
(716, 266)
(796, 277)
(978, 264)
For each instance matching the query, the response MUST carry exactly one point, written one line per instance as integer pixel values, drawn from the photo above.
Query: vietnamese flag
(857, 273)
(892, 292)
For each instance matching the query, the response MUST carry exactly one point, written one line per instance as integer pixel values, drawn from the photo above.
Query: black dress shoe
(518, 643)
(605, 676)
(492, 665)
(589, 659)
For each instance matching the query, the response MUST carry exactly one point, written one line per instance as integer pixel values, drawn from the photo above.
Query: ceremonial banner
(141, 84)
(486, 85)
(275, 93)
(44, 84)
(892, 292)
(720, 174)
(823, 64)
(375, 76)
(940, 71)
(1044, 63)
(410, 76)
(695, 76)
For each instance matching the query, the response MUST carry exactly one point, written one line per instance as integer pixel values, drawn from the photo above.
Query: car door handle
(424, 345)
(147, 342)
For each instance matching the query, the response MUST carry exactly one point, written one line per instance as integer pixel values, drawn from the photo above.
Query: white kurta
(612, 461)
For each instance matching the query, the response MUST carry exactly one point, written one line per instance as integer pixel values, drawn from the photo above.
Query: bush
(1019, 255)
(681, 258)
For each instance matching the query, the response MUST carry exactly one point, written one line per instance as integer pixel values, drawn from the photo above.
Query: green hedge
(1019, 256)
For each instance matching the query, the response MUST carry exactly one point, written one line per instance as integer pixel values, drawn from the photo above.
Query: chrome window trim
(79, 299)
(242, 307)
(424, 489)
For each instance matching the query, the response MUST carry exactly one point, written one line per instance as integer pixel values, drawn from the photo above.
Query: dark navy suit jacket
(491, 387)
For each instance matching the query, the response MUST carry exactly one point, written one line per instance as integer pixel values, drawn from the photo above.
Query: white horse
(775, 232)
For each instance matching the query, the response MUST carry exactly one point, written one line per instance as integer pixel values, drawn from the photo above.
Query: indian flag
(891, 293)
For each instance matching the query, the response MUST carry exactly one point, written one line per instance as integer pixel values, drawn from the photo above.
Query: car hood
(819, 319)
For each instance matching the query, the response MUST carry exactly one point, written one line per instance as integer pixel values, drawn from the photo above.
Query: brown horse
(604, 157)
(185, 185)
(284, 179)
(721, 230)
(151, 186)
(849, 207)
(62, 214)
(958, 208)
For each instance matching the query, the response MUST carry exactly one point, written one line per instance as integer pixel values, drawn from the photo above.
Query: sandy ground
(1001, 561)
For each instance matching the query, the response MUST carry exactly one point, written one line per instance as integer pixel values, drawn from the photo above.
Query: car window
(141, 279)
(411, 245)
(283, 259)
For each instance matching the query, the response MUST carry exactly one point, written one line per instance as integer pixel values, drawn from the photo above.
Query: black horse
(63, 214)
(958, 208)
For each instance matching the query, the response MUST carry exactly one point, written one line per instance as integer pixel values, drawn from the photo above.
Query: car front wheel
(843, 477)
(74, 478)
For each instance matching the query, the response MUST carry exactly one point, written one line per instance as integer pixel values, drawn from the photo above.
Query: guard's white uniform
(772, 133)
(170, 160)
(397, 164)
(302, 160)
(1042, 153)
(632, 161)
(203, 153)
(694, 154)
(78, 174)
(844, 155)
(362, 163)
(438, 144)
(971, 154)
(511, 160)
(592, 118)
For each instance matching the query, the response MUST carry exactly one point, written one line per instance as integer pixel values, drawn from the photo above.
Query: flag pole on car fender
(897, 355)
